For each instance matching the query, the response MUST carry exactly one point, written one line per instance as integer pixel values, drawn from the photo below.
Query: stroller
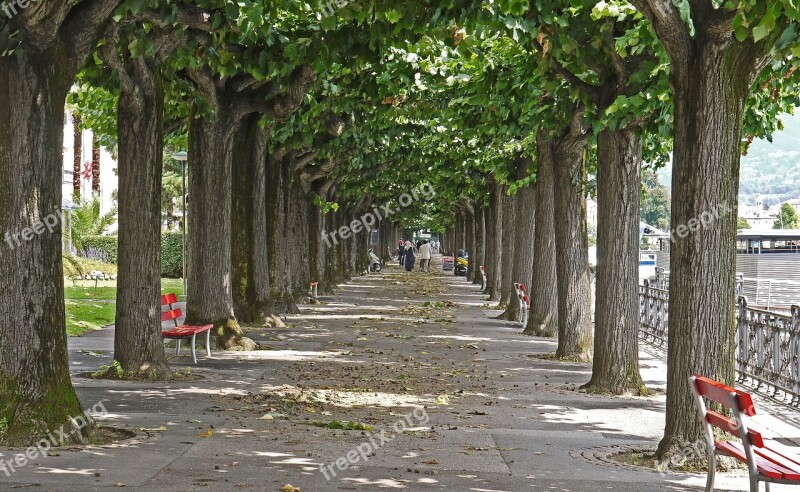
(461, 264)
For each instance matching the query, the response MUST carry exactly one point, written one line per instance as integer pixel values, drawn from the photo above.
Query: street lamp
(182, 157)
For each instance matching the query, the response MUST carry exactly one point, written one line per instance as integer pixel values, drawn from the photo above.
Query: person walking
(410, 256)
(425, 256)
(401, 251)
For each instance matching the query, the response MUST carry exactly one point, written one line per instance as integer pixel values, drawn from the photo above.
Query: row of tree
(298, 122)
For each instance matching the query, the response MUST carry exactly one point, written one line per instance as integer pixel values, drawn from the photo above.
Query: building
(108, 170)
(591, 214)
(758, 217)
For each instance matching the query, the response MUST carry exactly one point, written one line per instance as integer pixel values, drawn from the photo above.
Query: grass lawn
(90, 308)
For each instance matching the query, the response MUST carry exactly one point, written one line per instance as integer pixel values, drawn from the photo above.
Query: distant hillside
(771, 170)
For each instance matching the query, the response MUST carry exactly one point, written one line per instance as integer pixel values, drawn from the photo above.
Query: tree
(787, 218)
(717, 50)
(77, 157)
(742, 223)
(655, 201)
(37, 70)
(543, 320)
(87, 221)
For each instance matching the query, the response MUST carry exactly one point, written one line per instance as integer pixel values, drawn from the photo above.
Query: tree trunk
(96, 165)
(572, 264)
(710, 92)
(494, 230)
(36, 394)
(543, 319)
(170, 215)
(210, 299)
(249, 263)
(327, 252)
(507, 245)
(480, 247)
(77, 157)
(138, 344)
(523, 237)
(287, 225)
(299, 273)
(616, 345)
(318, 250)
(469, 230)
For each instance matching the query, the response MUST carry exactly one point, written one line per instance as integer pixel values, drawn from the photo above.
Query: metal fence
(654, 314)
(768, 350)
(768, 343)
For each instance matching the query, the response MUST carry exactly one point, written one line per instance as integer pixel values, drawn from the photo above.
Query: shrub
(103, 248)
(171, 255)
(72, 265)
(76, 266)
(87, 221)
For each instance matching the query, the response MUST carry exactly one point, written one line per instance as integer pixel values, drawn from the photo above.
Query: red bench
(524, 302)
(767, 461)
(182, 332)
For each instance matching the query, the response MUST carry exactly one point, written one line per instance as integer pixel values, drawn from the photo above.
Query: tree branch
(40, 21)
(188, 15)
(205, 83)
(110, 56)
(83, 28)
(335, 126)
(298, 163)
(570, 77)
(301, 80)
(669, 27)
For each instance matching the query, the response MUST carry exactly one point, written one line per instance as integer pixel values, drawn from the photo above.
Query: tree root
(619, 388)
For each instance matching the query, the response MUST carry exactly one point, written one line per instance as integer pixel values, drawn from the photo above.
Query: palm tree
(87, 220)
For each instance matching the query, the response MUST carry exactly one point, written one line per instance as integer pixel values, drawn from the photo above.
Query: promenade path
(498, 415)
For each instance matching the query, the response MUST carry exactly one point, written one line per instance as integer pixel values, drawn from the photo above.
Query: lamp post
(182, 157)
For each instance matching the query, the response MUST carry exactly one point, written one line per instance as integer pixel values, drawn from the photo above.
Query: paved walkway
(497, 415)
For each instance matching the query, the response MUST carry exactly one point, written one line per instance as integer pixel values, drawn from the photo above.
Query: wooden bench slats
(171, 315)
(169, 299)
(722, 394)
(765, 467)
(772, 461)
(793, 472)
(730, 426)
(181, 332)
(781, 450)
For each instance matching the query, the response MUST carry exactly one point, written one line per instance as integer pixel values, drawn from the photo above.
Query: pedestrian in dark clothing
(410, 257)
(401, 252)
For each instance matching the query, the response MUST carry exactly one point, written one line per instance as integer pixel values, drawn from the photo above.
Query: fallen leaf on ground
(336, 424)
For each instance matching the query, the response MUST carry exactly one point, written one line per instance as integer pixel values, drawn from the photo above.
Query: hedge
(171, 251)
(171, 255)
(100, 247)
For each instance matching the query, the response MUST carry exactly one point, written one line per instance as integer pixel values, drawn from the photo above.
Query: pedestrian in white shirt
(425, 256)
